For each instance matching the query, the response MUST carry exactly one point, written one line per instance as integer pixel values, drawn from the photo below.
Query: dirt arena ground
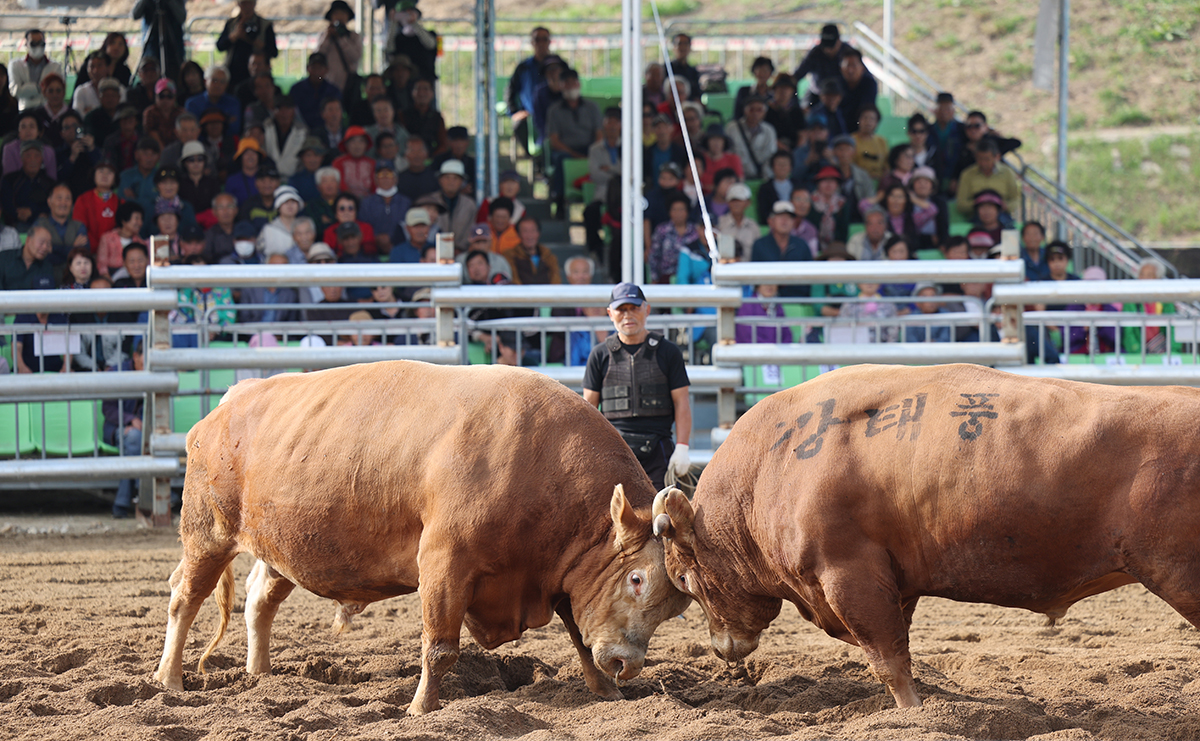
(83, 609)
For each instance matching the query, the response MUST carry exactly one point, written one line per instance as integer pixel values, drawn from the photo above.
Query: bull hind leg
(868, 604)
(266, 589)
(596, 680)
(191, 583)
(443, 607)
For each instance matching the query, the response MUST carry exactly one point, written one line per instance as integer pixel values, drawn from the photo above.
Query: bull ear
(680, 513)
(626, 523)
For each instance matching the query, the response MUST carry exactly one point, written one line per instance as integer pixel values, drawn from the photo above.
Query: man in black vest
(638, 380)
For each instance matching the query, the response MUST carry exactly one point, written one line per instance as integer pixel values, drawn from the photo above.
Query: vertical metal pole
(444, 315)
(1064, 57)
(361, 10)
(158, 412)
(628, 143)
(367, 29)
(483, 101)
(633, 222)
(726, 335)
(889, 13)
(493, 117)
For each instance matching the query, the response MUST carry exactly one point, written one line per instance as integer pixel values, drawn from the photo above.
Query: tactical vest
(634, 385)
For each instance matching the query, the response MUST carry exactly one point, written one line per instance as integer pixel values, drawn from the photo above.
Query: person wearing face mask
(572, 126)
(384, 209)
(26, 72)
(245, 250)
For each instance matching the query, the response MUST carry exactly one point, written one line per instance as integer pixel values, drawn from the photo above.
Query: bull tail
(225, 605)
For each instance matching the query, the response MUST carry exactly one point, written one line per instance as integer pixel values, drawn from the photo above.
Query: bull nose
(616, 667)
(723, 646)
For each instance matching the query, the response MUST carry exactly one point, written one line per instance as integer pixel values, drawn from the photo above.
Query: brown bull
(858, 492)
(496, 492)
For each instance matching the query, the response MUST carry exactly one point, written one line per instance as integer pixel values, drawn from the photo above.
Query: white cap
(738, 192)
(453, 167)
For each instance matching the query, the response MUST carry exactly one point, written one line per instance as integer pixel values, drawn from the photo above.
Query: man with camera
(342, 47)
(245, 34)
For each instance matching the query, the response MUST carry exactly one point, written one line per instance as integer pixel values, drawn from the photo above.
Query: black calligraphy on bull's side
(908, 417)
(977, 407)
(801, 421)
(812, 444)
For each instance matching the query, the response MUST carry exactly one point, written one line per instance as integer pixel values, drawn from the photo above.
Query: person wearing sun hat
(247, 160)
(831, 210)
(276, 236)
(121, 143)
(356, 168)
(458, 208)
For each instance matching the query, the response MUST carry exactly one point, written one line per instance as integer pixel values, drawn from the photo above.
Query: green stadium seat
(477, 354)
(960, 229)
(573, 169)
(894, 129)
(930, 255)
(16, 431)
(752, 207)
(884, 104)
(956, 216)
(186, 411)
(720, 103)
(855, 229)
(604, 101)
(69, 427)
(608, 87)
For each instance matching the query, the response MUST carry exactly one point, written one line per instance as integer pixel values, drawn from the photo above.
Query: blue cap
(627, 293)
(818, 119)
(244, 230)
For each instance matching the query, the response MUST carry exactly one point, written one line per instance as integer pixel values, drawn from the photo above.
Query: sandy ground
(83, 609)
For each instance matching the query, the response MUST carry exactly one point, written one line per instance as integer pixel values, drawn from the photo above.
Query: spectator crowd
(352, 168)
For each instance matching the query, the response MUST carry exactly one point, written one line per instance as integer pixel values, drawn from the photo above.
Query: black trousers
(656, 466)
(593, 227)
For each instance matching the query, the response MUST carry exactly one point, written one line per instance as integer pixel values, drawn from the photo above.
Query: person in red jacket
(357, 169)
(97, 208)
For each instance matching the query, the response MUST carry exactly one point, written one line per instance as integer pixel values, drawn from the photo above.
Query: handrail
(1096, 292)
(1057, 197)
(360, 274)
(1027, 168)
(869, 271)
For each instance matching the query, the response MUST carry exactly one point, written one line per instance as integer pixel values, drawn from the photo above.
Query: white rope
(713, 254)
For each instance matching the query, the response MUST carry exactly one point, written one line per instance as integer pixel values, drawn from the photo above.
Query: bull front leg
(266, 589)
(443, 607)
(868, 604)
(596, 680)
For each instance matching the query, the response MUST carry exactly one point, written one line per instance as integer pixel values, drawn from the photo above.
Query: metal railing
(52, 429)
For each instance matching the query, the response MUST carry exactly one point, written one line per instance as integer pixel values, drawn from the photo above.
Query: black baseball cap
(166, 173)
(627, 293)
(829, 34)
(1058, 247)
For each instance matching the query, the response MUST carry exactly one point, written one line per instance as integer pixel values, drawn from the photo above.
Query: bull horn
(662, 524)
(660, 503)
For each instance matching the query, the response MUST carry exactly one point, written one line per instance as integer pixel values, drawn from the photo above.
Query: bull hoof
(171, 683)
(417, 708)
(605, 688)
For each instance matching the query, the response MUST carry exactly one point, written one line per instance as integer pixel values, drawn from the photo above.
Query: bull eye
(635, 580)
